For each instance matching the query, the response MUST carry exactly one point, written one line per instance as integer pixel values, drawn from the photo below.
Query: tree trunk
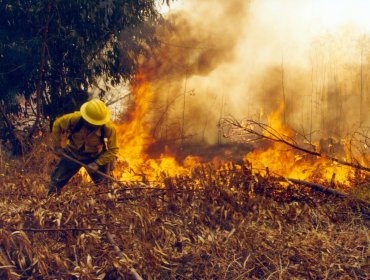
(41, 72)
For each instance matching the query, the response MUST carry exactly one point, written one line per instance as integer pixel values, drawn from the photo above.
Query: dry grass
(218, 224)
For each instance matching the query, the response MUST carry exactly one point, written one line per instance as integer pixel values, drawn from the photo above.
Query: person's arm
(63, 124)
(112, 147)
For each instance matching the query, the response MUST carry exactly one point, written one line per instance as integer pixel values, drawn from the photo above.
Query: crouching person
(92, 140)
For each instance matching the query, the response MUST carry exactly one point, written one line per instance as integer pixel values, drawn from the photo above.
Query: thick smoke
(244, 58)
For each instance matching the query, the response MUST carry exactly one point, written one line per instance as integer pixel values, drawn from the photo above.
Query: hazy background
(245, 58)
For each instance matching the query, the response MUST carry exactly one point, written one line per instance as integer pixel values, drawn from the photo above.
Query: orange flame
(285, 161)
(134, 140)
(134, 163)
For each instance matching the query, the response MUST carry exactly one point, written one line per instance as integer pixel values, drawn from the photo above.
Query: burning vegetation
(188, 219)
(224, 222)
(200, 192)
(195, 89)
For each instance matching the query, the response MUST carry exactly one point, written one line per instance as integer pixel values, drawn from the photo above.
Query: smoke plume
(244, 58)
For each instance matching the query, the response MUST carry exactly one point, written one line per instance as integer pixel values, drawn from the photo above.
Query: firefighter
(91, 140)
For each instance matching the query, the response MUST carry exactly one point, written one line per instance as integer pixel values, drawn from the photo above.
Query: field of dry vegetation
(223, 223)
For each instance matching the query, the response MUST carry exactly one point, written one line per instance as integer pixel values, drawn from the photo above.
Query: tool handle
(91, 169)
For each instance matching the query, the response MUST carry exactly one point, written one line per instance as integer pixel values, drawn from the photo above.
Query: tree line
(52, 52)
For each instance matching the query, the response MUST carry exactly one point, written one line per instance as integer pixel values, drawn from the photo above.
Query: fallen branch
(155, 189)
(121, 255)
(317, 187)
(324, 189)
(271, 134)
(55, 229)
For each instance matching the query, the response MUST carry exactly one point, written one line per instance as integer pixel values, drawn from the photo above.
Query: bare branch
(267, 132)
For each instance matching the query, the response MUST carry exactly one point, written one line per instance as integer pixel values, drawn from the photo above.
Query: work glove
(58, 151)
(94, 166)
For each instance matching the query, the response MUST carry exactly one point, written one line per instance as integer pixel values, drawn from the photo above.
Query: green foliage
(85, 40)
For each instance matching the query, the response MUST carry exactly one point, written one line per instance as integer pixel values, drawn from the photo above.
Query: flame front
(135, 164)
(134, 139)
(286, 161)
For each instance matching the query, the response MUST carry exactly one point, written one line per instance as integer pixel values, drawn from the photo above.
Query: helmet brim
(92, 121)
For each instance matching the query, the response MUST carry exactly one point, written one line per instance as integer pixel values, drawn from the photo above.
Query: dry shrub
(217, 224)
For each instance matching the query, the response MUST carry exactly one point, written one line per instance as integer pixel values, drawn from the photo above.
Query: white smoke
(243, 58)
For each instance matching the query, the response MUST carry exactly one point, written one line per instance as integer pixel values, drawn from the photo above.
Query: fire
(283, 160)
(134, 139)
(206, 58)
(135, 164)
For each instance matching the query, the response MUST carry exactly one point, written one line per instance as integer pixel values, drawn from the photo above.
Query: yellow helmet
(95, 112)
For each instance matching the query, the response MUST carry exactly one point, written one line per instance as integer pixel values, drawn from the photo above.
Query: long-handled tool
(91, 169)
